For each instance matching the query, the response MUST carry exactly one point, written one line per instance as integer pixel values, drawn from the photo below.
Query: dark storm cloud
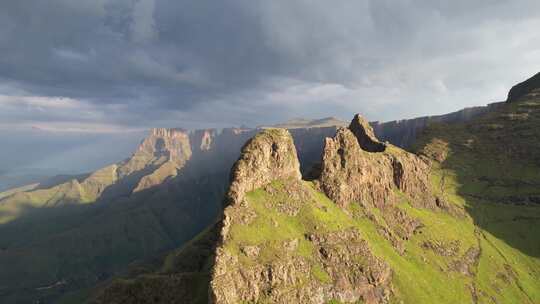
(141, 63)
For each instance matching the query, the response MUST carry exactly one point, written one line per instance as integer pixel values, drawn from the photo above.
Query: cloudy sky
(121, 65)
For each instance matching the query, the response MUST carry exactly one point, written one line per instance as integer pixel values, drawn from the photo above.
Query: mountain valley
(311, 212)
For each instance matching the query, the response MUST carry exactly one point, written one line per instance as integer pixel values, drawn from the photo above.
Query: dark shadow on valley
(81, 245)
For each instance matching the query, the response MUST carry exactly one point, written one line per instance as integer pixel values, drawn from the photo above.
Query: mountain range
(308, 211)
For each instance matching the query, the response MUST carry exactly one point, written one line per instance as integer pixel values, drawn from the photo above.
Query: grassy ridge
(489, 168)
(429, 272)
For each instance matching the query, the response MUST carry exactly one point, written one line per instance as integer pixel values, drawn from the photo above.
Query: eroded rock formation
(270, 155)
(356, 167)
(171, 144)
(333, 272)
(350, 273)
(203, 140)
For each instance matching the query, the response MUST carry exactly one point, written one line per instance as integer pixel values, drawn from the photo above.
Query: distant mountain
(66, 233)
(403, 133)
(299, 123)
(455, 222)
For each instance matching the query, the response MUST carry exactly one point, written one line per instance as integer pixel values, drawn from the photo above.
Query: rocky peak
(367, 140)
(167, 144)
(526, 89)
(160, 146)
(356, 167)
(268, 156)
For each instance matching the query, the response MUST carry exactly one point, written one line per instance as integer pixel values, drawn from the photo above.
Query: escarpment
(356, 167)
(404, 132)
(528, 89)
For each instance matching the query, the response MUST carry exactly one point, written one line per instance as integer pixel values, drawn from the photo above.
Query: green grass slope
(491, 167)
(432, 261)
(436, 266)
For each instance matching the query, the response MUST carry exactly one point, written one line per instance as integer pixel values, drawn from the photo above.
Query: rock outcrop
(171, 144)
(527, 89)
(365, 135)
(350, 174)
(340, 265)
(356, 167)
(270, 155)
(160, 146)
(332, 272)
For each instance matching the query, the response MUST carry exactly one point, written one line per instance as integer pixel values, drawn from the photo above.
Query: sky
(121, 66)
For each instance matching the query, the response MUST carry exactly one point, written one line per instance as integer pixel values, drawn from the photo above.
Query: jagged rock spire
(365, 135)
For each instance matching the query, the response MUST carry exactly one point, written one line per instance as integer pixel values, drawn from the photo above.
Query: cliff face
(403, 133)
(165, 145)
(203, 140)
(528, 89)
